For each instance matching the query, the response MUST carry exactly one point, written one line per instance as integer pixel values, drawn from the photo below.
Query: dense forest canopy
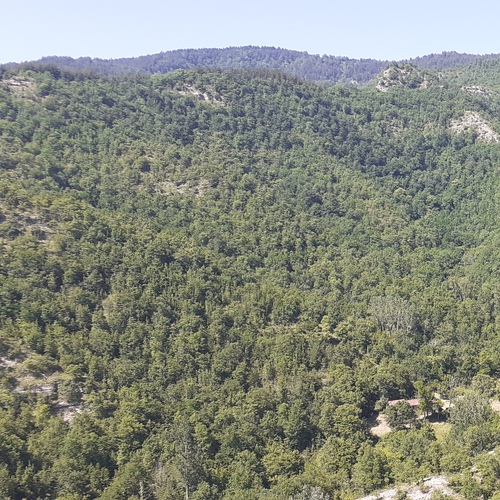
(210, 280)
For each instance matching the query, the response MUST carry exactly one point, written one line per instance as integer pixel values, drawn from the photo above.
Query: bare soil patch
(378, 425)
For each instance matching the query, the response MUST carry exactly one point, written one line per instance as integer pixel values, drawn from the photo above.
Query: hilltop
(327, 69)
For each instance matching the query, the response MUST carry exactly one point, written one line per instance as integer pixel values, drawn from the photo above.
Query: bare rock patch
(473, 121)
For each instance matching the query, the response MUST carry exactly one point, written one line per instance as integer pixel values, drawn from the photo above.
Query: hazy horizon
(110, 29)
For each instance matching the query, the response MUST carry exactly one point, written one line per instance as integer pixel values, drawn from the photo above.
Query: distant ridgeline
(326, 68)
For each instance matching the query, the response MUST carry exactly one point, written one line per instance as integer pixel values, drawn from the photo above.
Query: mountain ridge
(328, 69)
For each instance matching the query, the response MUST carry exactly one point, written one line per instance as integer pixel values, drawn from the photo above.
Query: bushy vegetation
(225, 272)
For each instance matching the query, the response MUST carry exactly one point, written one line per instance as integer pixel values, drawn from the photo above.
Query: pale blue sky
(384, 29)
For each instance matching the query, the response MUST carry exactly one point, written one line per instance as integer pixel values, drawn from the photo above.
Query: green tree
(425, 394)
(371, 470)
(400, 415)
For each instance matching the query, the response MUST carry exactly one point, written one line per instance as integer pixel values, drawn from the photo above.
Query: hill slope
(223, 273)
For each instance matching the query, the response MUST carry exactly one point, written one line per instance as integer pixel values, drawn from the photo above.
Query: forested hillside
(326, 69)
(209, 281)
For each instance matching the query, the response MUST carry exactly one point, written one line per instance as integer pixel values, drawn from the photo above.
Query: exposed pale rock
(422, 491)
(471, 120)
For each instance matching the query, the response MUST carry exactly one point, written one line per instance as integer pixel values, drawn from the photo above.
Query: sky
(384, 29)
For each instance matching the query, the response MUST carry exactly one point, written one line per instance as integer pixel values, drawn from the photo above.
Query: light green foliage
(371, 470)
(469, 409)
(279, 461)
(411, 454)
(400, 416)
